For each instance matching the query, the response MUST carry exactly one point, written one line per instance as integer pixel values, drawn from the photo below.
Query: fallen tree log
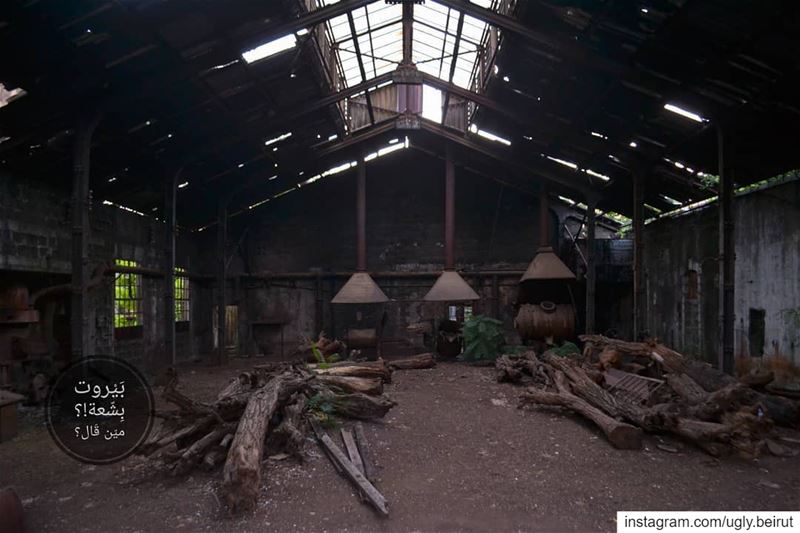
(358, 370)
(424, 360)
(290, 434)
(782, 411)
(687, 388)
(371, 386)
(619, 434)
(356, 405)
(241, 476)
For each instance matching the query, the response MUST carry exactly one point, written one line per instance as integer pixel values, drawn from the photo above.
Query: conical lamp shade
(360, 289)
(451, 287)
(546, 265)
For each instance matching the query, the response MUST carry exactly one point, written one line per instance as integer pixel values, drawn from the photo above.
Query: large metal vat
(545, 321)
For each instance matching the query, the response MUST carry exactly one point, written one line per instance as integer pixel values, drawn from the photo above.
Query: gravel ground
(454, 455)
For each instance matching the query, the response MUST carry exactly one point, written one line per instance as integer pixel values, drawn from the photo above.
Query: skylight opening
(633, 144)
(278, 139)
(488, 135)
(599, 135)
(271, 48)
(183, 185)
(432, 103)
(691, 115)
(669, 200)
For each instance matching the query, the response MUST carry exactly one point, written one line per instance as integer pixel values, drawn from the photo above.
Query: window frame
(128, 310)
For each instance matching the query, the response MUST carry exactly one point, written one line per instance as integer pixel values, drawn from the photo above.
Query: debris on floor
(263, 415)
(627, 388)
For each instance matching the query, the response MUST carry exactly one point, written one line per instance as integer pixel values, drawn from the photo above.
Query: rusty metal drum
(545, 320)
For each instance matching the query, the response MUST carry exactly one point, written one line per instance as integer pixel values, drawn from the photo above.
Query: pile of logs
(627, 388)
(268, 411)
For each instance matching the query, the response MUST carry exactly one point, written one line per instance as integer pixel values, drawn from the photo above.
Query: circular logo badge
(99, 410)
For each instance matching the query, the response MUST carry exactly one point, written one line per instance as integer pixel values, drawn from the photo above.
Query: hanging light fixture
(360, 288)
(450, 286)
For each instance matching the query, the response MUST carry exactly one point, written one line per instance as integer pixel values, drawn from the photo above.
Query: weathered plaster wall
(685, 313)
(35, 250)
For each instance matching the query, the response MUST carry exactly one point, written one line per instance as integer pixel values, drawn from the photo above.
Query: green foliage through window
(127, 297)
(181, 295)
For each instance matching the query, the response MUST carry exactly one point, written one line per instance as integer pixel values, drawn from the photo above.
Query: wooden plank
(352, 449)
(361, 442)
(357, 478)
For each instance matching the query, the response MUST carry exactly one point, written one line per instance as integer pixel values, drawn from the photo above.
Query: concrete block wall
(35, 246)
(682, 276)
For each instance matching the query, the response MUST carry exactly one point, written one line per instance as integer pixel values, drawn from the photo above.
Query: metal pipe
(170, 198)
(726, 251)
(544, 218)
(449, 210)
(361, 217)
(638, 256)
(81, 234)
(590, 265)
(222, 230)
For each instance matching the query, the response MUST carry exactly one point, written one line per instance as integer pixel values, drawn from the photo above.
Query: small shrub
(483, 338)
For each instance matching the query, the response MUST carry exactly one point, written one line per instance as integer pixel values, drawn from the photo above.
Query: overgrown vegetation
(483, 338)
(322, 410)
(324, 362)
(567, 349)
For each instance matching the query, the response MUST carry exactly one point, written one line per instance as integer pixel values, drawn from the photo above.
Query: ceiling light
(684, 113)
(279, 138)
(271, 48)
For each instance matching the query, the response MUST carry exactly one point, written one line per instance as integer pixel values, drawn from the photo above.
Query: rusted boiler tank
(546, 312)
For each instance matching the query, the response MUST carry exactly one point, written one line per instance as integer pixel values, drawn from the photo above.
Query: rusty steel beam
(459, 30)
(308, 20)
(639, 294)
(361, 216)
(727, 266)
(360, 65)
(449, 209)
(408, 32)
(222, 235)
(81, 235)
(591, 280)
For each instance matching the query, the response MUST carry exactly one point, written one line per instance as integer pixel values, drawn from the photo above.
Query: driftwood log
(423, 360)
(241, 476)
(371, 386)
(619, 434)
(365, 369)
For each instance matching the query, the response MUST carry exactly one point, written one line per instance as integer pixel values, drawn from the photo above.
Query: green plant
(483, 338)
(566, 349)
(320, 357)
(321, 409)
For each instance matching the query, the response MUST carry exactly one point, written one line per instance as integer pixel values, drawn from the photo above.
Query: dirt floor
(454, 455)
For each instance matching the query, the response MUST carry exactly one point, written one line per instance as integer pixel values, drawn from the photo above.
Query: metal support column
(590, 264)
(727, 267)
(222, 235)
(638, 256)
(81, 233)
(170, 193)
(361, 217)
(449, 210)
(544, 217)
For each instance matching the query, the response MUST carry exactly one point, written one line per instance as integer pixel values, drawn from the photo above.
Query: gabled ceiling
(575, 93)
